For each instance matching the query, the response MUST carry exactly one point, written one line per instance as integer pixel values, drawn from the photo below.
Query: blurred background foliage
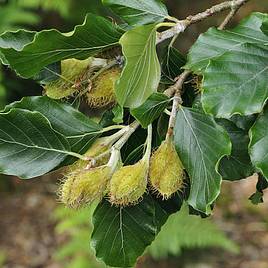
(63, 234)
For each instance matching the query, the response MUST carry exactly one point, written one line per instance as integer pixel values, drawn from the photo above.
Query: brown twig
(176, 89)
(230, 15)
(183, 24)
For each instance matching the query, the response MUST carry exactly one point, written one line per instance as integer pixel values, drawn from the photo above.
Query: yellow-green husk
(166, 172)
(128, 184)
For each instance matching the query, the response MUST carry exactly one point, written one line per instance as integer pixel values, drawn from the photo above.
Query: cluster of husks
(87, 181)
(88, 78)
(124, 185)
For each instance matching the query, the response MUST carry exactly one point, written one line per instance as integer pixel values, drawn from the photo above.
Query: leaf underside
(141, 74)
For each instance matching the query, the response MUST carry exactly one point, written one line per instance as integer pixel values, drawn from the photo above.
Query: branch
(176, 101)
(183, 24)
(229, 17)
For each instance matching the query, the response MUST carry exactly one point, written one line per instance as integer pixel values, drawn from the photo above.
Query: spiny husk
(166, 170)
(101, 93)
(83, 188)
(69, 82)
(128, 184)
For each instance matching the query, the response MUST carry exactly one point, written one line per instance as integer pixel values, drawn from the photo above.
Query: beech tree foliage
(135, 125)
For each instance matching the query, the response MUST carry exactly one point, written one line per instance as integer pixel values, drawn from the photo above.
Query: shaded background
(35, 231)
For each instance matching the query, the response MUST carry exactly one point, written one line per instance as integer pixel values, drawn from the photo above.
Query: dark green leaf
(258, 146)
(244, 122)
(261, 185)
(136, 12)
(121, 234)
(29, 147)
(49, 73)
(141, 74)
(78, 129)
(237, 165)
(264, 27)
(237, 81)
(215, 43)
(135, 155)
(162, 126)
(201, 143)
(49, 46)
(15, 40)
(151, 109)
(172, 63)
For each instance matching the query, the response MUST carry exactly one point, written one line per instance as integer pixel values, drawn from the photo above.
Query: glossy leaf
(29, 147)
(201, 143)
(95, 35)
(136, 12)
(215, 43)
(258, 147)
(151, 109)
(141, 74)
(121, 234)
(237, 82)
(78, 129)
(237, 165)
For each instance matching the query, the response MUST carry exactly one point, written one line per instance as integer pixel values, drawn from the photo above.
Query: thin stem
(108, 66)
(113, 127)
(148, 143)
(229, 17)
(176, 102)
(107, 129)
(79, 156)
(183, 24)
(165, 24)
(120, 143)
(172, 19)
(115, 151)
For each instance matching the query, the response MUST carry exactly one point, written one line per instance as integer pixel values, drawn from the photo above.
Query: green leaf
(237, 82)
(264, 27)
(121, 234)
(29, 147)
(243, 122)
(201, 143)
(261, 185)
(237, 165)
(77, 128)
(118, 112)
(141, 74)
(15, 40)
(215, 43)
(258, 146)
(136, 12)
(172, 63)
(151, 109)
(49, 73)
(49, 46)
